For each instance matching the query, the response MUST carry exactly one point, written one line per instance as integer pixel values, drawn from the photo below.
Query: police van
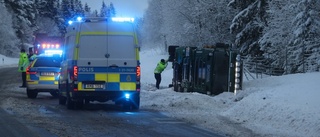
(101, 63)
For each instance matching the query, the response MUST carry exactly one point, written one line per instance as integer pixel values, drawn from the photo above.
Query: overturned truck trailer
(209, 70)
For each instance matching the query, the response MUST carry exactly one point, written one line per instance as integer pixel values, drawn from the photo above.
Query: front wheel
(32, 93)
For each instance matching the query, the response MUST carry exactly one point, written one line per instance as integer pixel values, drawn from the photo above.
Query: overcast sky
(124, 8)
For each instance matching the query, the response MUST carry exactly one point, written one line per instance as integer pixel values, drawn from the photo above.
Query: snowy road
(45, 117)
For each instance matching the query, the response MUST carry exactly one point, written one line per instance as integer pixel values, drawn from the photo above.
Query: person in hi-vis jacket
(31, 56)
(22, 66)
(158, 70)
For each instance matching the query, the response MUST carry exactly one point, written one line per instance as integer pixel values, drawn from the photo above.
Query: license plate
(46, 73)
(94, 86)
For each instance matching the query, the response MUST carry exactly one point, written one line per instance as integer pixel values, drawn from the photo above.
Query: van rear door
(121, 45)
(92, 44)
(108, 45)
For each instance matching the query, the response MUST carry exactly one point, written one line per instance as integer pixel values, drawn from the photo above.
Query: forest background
(272, 36)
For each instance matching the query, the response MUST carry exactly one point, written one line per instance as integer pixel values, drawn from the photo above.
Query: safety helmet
(163, 61)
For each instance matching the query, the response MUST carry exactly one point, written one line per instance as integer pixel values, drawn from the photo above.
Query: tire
(70, 103)
(54, 94)
(62, 100)
(175, 86)
(180, 89)
(86, 101)
(79, 104)
(135, 102)
(32, 93)
(127, 105)
(130, 105)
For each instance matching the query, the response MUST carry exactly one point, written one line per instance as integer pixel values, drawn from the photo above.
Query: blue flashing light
(122, 19)
(79, 19)
(70, 22)
(127, 96)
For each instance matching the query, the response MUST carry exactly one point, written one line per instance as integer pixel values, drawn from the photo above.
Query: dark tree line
(28, 17)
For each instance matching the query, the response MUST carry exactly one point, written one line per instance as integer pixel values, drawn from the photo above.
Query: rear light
(138, 73)
(75, 72)
(30, 72)
(138, 78)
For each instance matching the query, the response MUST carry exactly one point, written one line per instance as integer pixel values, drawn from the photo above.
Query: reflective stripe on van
(113, 79)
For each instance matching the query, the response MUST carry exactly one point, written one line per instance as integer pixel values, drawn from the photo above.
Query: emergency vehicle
(101, 63)
(42, 75)
(43, 42)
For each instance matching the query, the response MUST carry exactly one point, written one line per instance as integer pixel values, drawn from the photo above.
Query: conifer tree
(305, 45)
(78, 8)
(8, 39)
(104, 10)
(87, 10)
(248, 24)
(112, 10)
(23, 18)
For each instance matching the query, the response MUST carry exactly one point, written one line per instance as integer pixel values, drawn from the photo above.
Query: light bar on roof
(79, 19)
(122, 19)
(53, 52)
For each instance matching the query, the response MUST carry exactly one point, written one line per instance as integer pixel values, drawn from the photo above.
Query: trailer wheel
(175, 86)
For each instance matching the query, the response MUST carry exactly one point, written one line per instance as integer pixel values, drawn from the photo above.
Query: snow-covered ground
(282, 106)
(8, 62)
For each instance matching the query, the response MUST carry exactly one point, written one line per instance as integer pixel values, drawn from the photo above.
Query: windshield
(47, 62)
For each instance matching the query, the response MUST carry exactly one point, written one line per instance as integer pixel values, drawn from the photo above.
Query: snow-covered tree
(48, 19)
(24, 15)
(187, 23)
(152, 24)
(215, 19)
(104, 10)
(179, 25)
(78, 8)
(278, 32)
(47, 8)
(8, 40)
(107, 11)
(69, 10)
(95, 13)
(248, 25)
(305, 45)
(87, 10)
(112, 10)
